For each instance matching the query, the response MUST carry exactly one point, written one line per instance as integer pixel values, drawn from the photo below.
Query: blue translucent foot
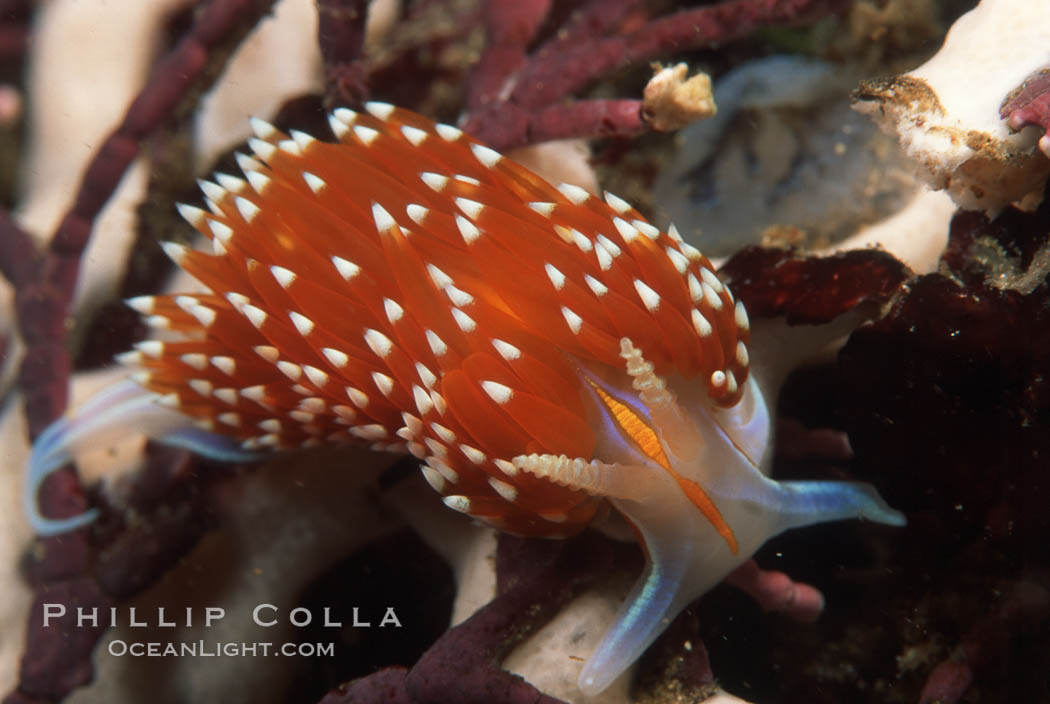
(686, 557)
(112, 415)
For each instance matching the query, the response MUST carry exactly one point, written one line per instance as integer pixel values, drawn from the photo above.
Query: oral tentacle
(804, 503)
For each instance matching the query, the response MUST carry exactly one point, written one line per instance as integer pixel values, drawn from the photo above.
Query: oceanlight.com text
(214, 649)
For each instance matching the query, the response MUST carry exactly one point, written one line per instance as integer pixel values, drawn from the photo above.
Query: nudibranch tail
(106, 417)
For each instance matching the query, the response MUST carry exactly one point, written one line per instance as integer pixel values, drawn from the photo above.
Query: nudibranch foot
(684, 562)
(106, 418)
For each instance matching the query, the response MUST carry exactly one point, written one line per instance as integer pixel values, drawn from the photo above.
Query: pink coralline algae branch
(515, 95)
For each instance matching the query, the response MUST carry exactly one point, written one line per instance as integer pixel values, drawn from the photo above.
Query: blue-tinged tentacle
(805, 503)
(655, 599)
(111, 415)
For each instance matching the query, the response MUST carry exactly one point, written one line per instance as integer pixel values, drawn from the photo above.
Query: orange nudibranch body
(410, 288)
(542, 350)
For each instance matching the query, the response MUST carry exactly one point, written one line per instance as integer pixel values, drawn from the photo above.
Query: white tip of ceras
(227, 365)
(256, 316)
(575, 194)
(259, 181)
(232, 184)
(500, 393)
(597, 287)
(221, 231)
(302, 140)
(459, 297)
(467, 230)
(131, 358)
(316, 183)
(417, 213)
(304, 325)
(425, 375)
(284, 277)
(448, 132)
(337, 358)
(290, 147)
(701, 324)
(679, 260)
(740, 314)
(154, 349)
(339, 128)
(543, 208)
(709, 277)
(742, 356)
(380, 110)
(204, 315)
(440, 278)
(186, 302)
(488, 157)
(471, 208)
(383, 220)
(237, 300)
(649, 297)
(437, 345)
(627, 231)
(619, 205)
(506, 350)
(414, 135)
(141, 304)
(394, 312)
(195, 360)
(457, 503)
(317, 377)
(246, 208)
(345, 116)
(191, 214)
(380, 344)
(574, 321)
(384, 383)
(176, 252)
(465, 322)
(366, 135)
(582, 241)
(203, 387)
(611, 248)
(506, 491)
(247, 163)
(268, 352)
(712, 298)
(346, 268)
(554, 274)
(212, 191)
(437, 182)
(261, 128)
(263, 150)
(650, 231)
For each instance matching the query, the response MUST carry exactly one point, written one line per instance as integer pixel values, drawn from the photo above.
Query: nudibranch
(543, 351)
